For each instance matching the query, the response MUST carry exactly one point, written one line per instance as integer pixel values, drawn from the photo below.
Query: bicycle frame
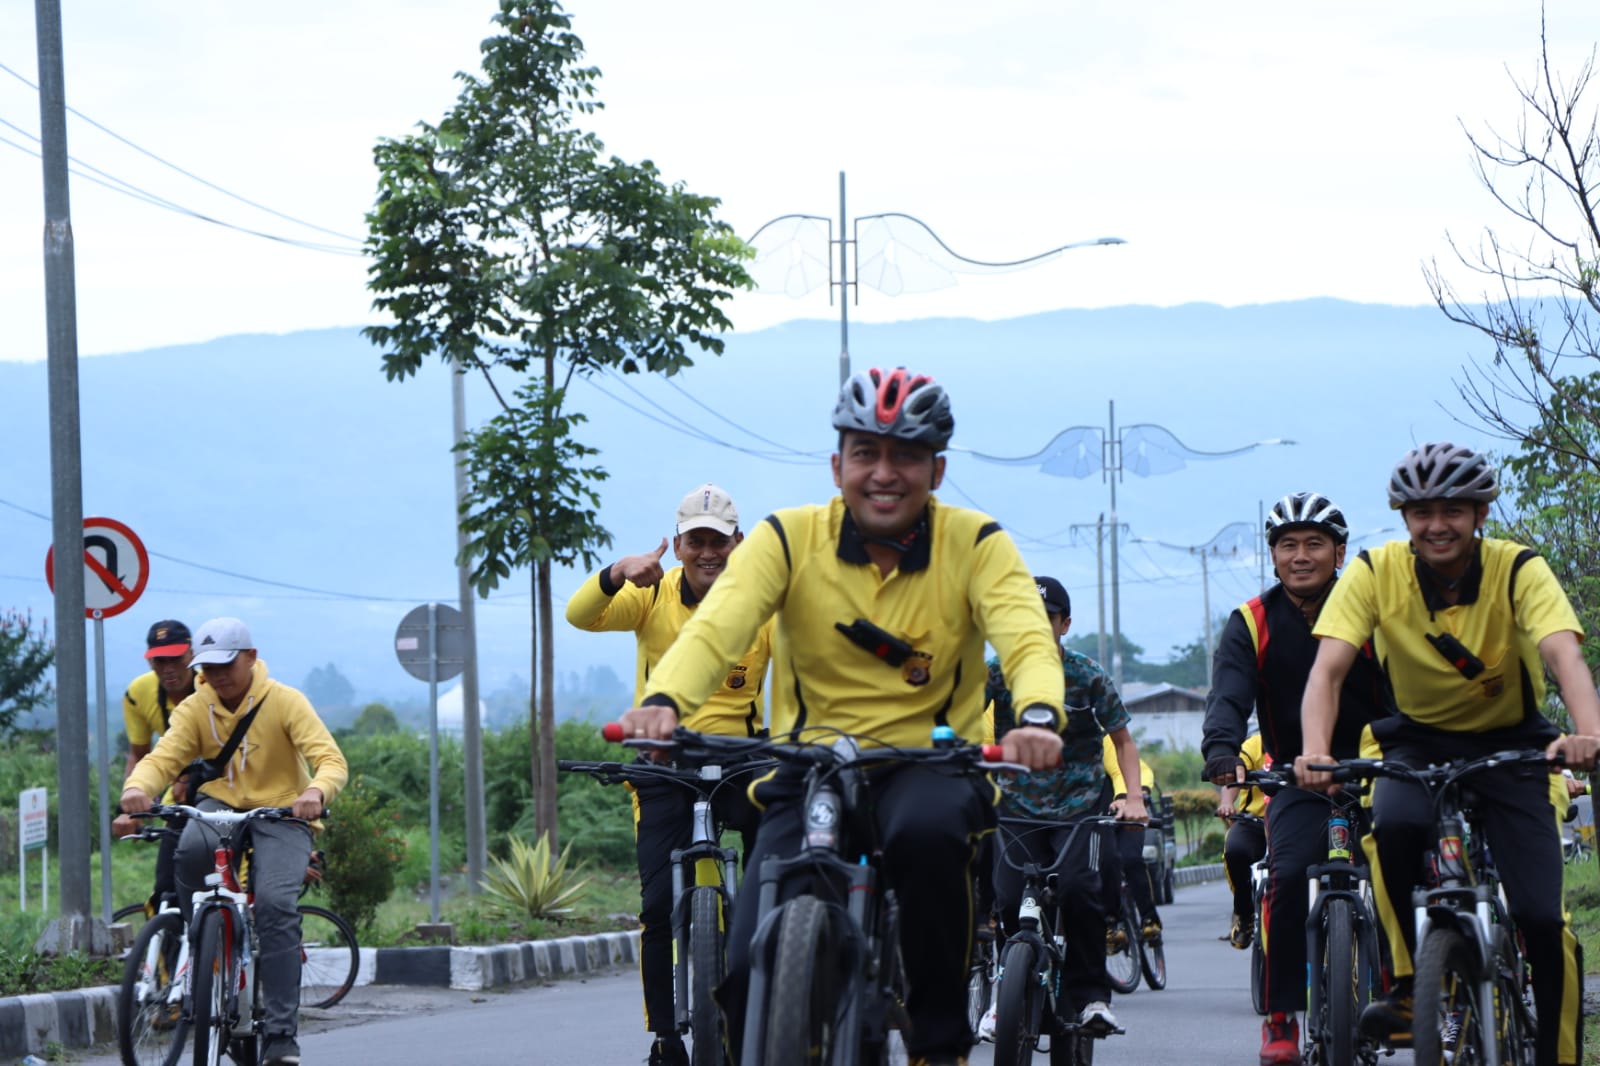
(708, 858)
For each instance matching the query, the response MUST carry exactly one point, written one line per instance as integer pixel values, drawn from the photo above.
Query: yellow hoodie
(269, 767)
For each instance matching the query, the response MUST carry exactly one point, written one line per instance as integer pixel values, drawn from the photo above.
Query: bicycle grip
(612, 731)
(993, 753)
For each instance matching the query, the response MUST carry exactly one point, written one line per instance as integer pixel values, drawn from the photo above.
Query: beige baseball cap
(708, 507)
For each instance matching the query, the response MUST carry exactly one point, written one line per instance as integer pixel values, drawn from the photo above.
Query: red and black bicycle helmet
(896, 403)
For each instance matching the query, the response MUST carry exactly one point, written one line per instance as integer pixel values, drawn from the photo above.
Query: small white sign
(33, 809)
(406, 644)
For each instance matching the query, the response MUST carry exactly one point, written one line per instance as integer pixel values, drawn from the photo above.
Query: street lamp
(893, 263)
(1230, 542)
(1144, 449)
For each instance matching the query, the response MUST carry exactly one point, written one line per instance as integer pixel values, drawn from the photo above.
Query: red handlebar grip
(993, 753)
(612, 731)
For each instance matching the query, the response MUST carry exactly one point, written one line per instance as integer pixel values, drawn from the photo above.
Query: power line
(193, 177)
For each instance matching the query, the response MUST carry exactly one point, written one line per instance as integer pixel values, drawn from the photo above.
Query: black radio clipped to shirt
(878, 641)
(1469, 665)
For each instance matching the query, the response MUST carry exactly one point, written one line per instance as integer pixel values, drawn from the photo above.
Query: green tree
(1539, 310)
(26, 655)
(375, 719)
(504, 240)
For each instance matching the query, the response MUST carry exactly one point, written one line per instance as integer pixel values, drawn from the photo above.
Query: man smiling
(634, 594)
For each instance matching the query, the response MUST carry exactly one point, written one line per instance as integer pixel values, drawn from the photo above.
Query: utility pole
(471, 728)
(1100, 580)
(74, 930)
(1112, 465)
(844, 286)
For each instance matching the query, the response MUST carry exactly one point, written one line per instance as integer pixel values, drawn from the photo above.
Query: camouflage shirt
(1093, 709)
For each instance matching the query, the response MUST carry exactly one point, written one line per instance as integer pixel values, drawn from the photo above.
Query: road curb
(1195, 875)
(85, 1017)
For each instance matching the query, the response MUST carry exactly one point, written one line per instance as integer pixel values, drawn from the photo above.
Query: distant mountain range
(283, 480)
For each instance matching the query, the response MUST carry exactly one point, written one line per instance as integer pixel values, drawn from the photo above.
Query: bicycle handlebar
(983, 757)
(1435, 776)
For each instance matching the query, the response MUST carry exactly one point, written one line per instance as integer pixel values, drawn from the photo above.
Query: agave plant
(530, 884)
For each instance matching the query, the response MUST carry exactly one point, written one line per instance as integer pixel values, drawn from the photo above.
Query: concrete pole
(844, 291)
(1100, 581)
(1205, 605)
(66, 489)
(1114, 471)
(471, 727)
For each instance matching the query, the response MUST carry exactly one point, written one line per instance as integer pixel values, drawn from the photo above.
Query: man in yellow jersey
(147, 705)
(1124, 859)
(634, 594)
(884, 597)
(1464, 627)
(266, 769)
(1245, 844)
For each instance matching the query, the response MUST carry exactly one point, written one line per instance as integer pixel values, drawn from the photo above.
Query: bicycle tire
(980, 984)
(129, 911)
(211, 975)
(705, 974)
(150, 1025)
(1153, 963)
(1445, 991)
(1516, 1025)
(1335, 1028)
(1122, 953)
(807, 982)
(1017, 1002)
(330, 958)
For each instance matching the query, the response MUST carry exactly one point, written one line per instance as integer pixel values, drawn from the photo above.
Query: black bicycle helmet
(1306, 509)
(1442, 471)
(896, 403)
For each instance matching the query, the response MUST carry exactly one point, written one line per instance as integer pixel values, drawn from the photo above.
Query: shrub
(529, 884)
(364, 848)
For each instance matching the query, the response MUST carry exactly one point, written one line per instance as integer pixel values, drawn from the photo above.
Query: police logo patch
(735, 677)
(918, 669)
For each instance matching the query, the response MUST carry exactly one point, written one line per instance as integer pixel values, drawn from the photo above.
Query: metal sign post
(33, 834)
(116, 570)
(430, 643)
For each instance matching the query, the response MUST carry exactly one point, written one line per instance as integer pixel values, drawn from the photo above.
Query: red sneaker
(1280, 1041)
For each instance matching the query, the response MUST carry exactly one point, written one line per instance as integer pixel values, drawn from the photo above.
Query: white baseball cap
(708, 507)
(220, 641)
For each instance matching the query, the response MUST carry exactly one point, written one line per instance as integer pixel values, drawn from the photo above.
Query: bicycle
(826, 983)
(1258, 895)
(330, 954)
(1472, 1000)
(216, 966)
(1341, 931)
(1028, 1000)
(1129, 953)
(700, 902)
(983, 972)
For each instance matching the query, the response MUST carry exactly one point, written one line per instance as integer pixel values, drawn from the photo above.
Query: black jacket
(1272, 679)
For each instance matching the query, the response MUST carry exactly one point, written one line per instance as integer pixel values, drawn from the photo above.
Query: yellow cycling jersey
(145, 709)
(1252, 800)
(1119, 784)
(960, 581)
(1514, 603)
(655, 614)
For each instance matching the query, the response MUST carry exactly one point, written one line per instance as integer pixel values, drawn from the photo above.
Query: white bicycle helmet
(896, 403)
(1442, 471)
(1306, 509)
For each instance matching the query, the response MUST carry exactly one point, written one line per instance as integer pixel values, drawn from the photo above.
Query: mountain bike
(826, 983)
(218, 981)
(1473, 1001)
(330, 954)
(1028, 999)
(704, 883)
(1341, 930)
(1128, 952)
(1258, 895)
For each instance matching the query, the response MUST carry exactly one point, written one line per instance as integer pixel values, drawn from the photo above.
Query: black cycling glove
(1223, 766)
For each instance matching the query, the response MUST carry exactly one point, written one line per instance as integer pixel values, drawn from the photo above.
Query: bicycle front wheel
(1122, 952)
(808, 981)
(330, 958)
(1341, 986)
(1515, 1022)
(150, 1024)
(1447, 1028)
(1017, 1003)
(980, 984)
(1153, 963)
(212, 975)
(705, 974)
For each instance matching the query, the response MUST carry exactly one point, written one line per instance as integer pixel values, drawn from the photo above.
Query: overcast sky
(1248, 152)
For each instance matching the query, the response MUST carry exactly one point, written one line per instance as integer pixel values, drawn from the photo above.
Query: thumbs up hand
(643, 569)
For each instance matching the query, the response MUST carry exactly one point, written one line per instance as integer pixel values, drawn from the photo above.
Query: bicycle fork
(705, 855)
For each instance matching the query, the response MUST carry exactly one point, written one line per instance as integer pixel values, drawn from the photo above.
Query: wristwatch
(1038, 716)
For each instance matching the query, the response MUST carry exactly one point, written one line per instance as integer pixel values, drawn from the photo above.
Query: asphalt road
(1203, 1016)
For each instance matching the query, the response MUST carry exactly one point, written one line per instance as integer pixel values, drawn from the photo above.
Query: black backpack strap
(1523, 558)
(238, 735)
